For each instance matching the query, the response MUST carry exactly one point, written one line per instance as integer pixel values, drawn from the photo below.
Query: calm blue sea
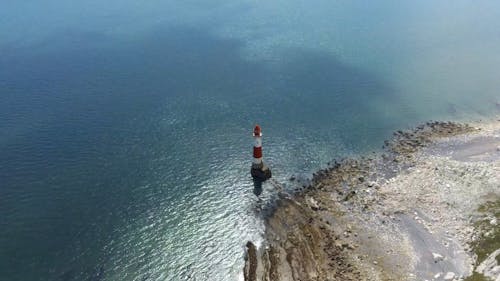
(125, 126)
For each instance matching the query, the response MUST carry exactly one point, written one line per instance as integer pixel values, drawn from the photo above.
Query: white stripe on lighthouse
(258, 142)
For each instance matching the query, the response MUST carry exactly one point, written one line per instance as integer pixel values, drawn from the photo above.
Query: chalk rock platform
(409, 213)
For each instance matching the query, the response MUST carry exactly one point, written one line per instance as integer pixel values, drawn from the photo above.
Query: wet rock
(250, 268)
(349, 195)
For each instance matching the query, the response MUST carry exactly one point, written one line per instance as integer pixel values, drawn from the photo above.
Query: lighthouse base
(260, 172)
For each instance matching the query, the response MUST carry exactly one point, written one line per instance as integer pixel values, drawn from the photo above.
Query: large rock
(489, 267)
(250, 269)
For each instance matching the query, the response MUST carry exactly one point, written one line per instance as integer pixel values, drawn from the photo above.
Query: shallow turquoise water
(125, 127)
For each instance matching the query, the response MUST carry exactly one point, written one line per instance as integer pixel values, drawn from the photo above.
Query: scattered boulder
(437, 257)
(449, 276)
(313, 204)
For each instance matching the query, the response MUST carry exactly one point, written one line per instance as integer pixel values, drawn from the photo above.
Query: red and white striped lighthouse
(257, 147)
(259, 170)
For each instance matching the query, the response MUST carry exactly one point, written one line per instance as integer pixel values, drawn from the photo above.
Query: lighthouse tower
(259, 170)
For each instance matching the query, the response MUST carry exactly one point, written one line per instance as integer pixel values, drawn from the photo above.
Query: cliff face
(302, 247)
(388, 217)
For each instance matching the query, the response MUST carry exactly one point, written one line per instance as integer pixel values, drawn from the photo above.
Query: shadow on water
(86, 116)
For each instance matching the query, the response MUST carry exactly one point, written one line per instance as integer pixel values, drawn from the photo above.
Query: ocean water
(125, 126)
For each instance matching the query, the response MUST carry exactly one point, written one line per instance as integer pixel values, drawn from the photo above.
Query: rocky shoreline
(409, 213)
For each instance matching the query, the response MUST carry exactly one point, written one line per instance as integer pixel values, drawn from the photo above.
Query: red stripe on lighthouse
(257, 147)
(257, 152)
(256, 131)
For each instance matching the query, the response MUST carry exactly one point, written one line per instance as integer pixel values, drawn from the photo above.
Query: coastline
(414, 212)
